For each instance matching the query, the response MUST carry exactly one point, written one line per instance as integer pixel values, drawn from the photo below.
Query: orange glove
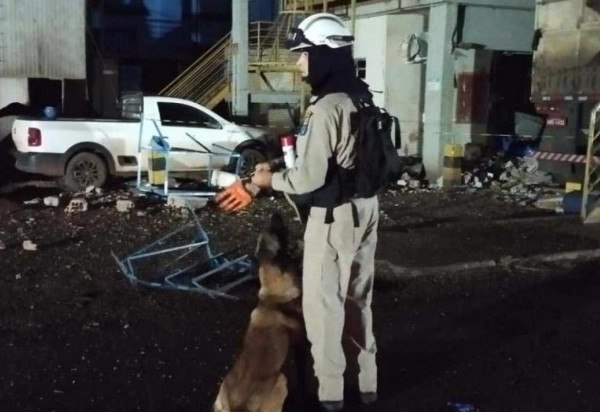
(236, 196)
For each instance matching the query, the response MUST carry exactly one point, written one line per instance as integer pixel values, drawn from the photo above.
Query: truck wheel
(249, 158)
(83, 170)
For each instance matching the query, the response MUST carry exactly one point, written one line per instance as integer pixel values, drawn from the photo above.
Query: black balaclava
(333, 71)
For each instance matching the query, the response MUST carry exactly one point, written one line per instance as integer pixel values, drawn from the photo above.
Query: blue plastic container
(572, 201)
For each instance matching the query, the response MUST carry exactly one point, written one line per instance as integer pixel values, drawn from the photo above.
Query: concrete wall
(396, 84)
(499, 29)
(371, 44)
(566, 59)
(404, 80)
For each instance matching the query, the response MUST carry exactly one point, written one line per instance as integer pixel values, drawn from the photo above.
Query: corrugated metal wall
(42, 38)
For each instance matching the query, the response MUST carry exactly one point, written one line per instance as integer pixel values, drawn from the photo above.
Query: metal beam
(239, 57)
(504, 4)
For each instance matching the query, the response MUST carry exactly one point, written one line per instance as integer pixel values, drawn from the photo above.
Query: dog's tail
(272, 241)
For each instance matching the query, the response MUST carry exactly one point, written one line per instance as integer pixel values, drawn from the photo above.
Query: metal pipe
(353, 6)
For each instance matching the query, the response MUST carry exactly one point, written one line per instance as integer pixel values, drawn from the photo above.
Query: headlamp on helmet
(321, 29)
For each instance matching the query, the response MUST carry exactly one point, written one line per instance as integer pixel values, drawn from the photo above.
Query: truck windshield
(175, 114)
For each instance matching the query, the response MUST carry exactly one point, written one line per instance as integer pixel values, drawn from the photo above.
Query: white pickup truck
(83, 152)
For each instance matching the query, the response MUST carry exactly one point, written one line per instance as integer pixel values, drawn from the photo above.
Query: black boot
(367, 398)
(332, 406)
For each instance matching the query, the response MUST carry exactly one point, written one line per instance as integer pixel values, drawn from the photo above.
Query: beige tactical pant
(339, 266)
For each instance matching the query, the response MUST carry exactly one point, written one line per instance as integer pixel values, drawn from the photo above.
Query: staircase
(206, 81)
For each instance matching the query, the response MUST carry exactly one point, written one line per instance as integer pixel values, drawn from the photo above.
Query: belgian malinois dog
(256, 382)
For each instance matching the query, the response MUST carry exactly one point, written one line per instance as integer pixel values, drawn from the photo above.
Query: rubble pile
(413, 179)
(519, 180)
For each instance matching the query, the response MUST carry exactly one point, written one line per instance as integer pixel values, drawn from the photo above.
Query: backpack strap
(397, 137)
(329, 215)
(354, 214)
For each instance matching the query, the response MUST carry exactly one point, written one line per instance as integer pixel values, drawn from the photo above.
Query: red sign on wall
(471, 103)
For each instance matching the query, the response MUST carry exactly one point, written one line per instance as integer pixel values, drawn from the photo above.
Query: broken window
(175, 114)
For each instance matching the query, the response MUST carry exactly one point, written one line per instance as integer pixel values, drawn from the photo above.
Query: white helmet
(321, 29)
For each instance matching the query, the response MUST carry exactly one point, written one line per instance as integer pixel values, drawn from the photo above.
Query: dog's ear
(272, 242)
(278, 229)
(267, 248)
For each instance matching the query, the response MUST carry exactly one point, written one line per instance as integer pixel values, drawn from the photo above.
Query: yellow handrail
(204, 78)
(208, 78)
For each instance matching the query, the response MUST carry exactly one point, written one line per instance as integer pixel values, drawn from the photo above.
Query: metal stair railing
(319, 5)
(268, 49)
(590, 208)
(206, 81)
(259, 40)
(205, 78)
(306, 5)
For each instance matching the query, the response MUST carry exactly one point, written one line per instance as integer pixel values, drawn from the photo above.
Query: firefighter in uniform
(341, 231)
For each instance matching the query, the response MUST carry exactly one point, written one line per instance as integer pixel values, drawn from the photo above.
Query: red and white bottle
(289, 152)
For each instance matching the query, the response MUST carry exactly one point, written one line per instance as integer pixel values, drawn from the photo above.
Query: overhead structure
(224, 71)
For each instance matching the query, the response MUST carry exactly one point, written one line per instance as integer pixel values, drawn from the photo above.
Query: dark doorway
(510, 86)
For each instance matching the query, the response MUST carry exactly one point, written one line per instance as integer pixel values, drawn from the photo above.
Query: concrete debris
(414, 184)
(89, 192)
(29, 245)
(180, 202)
(549, 203)
(518, 180)
(77, 205)
(51, 201)
(415, 169)
(440, 182)
(413, 177)
(124, 205)
(32, 201)
(176, 201)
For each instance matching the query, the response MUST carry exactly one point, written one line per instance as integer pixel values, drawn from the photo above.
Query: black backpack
(377, 164)
(377, 161)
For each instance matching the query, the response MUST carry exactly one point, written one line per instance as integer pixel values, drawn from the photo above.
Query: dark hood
(333, 71)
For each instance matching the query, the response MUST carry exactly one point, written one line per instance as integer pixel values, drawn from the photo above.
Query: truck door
(178, 123)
